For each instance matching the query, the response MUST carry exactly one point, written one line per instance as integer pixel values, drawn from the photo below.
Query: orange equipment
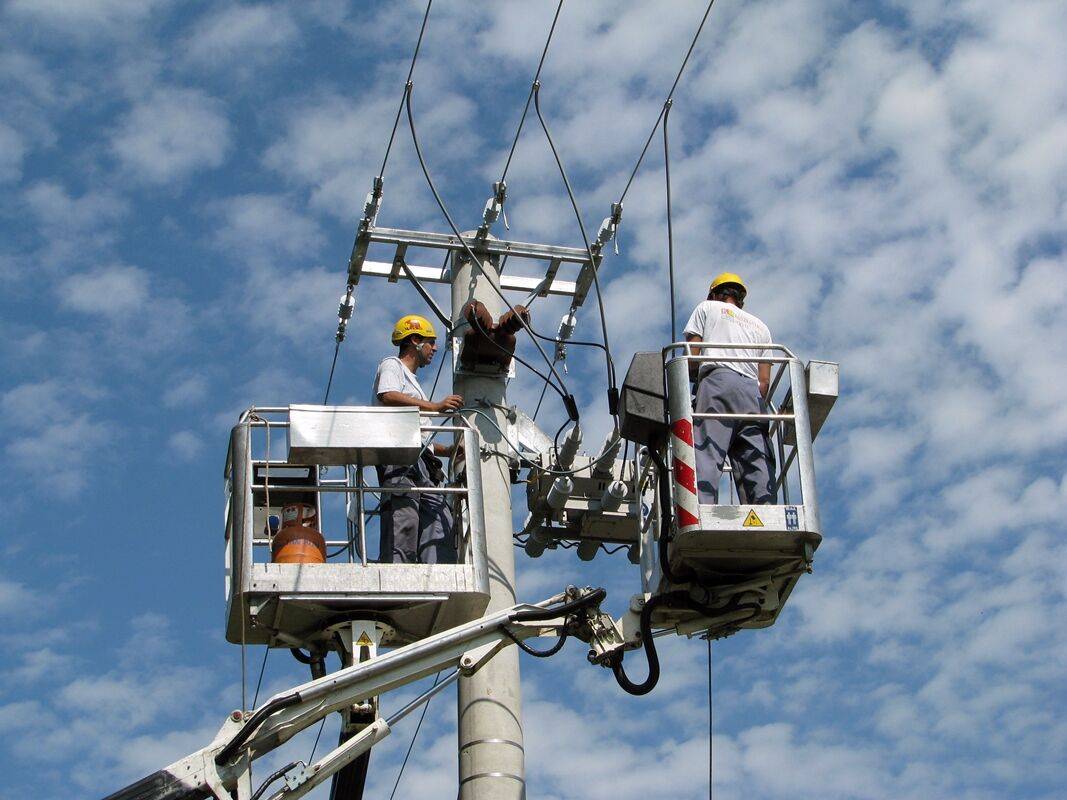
(299, 541)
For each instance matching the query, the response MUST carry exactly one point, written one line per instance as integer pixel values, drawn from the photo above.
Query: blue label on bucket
(792, 518)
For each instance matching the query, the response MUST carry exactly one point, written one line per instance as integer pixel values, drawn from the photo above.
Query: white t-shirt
(394, 376)
(724, 323)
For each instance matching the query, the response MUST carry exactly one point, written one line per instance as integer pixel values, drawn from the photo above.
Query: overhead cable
(571, 405)
(670, 226)
(670, 96)
(612, 385)
(407, 81)
(529, 96)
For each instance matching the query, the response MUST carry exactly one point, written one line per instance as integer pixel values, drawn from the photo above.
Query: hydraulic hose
(674, 600)
(666, 508)
(257, 718)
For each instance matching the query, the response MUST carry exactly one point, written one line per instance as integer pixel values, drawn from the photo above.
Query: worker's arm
(694, 366)
(764, 378)
(450, 403)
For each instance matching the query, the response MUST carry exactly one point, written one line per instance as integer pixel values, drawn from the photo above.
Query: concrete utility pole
(491, 763)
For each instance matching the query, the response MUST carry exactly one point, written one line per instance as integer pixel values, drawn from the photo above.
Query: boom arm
(222, 769)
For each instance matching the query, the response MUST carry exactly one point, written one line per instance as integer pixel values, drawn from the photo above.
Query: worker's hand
(450, 403)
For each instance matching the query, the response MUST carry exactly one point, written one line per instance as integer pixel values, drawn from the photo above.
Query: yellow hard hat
(727, 277)
(412, 324)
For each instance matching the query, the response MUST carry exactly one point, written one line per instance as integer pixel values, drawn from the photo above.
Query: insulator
(346, 306)
(569, 449)
(537, 542)
(564, 333)
(587, 549)
(605, 462)
(560, 492)
(613, 496)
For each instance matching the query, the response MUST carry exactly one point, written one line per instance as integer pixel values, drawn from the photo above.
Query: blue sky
(181, 182)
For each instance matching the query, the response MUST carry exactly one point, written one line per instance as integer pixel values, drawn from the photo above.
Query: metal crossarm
(398, 267)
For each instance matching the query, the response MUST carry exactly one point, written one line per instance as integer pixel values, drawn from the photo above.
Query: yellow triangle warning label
(365, 641)
(752, 520)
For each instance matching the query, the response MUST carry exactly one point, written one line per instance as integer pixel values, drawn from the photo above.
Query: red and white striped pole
(684, 467)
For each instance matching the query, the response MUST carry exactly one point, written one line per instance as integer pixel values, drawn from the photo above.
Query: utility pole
(491, 761)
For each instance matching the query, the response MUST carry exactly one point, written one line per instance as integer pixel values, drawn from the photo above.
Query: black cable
(414, 736)
(680, 599)
(710, 726)
(329, 383)
(529, 97)
(614, 550)
(470, 253)
(670, 95)
(411, 71)
(533, 651)
(670, 227)
(315, 746)
(273, 777)
(262, 668)
(243, 735)
(489, 338)
(594, 597)
(666, 518)
(585, 239)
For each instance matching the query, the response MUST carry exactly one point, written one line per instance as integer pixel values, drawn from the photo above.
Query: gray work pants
(722, 390)
(416, 527)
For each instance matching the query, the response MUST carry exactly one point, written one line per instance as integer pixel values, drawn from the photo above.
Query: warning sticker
(364, 640)
(752, 520)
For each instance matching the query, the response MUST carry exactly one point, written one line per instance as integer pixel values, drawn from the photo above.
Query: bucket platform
(327, 449)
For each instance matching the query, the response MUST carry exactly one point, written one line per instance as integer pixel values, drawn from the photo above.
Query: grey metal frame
(416, 599)
(734, 563)
(490, 247)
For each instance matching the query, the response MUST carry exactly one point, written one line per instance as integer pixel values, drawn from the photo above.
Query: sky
(179, 187)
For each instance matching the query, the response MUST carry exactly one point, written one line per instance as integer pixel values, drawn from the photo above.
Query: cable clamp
(494, 207)
(372, 204)
(344, 312)
(609, 228)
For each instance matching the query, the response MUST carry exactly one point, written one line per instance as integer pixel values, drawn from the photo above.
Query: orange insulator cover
(299, 540)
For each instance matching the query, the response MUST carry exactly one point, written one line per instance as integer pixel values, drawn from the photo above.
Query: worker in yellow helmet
(415, 526)
(731, 387)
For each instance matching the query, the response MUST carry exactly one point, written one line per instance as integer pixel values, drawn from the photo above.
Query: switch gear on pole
(490, 343)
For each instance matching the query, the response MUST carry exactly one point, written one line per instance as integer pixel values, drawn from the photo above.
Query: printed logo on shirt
(738, 318)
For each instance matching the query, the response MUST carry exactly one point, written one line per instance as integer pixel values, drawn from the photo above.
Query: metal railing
(352, 486)
(681, 360)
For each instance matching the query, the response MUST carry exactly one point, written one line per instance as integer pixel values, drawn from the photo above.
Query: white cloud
(86, 18)
(111, 291)
(49, 432)
(172, 133)
(186, 445)
(187, 391)
(17, 600)
(12, 151)
(250, 36)
(263, 226)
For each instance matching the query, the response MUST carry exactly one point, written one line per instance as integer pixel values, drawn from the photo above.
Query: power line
(670, 96)
(670, 226)
(529, 96)
(333, 366)
(474, 259)
(411, 71)
(414, 736)
(588, 247)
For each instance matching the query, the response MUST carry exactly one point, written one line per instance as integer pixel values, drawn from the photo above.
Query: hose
(666, 510)
(273, 777)
(674, 600)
